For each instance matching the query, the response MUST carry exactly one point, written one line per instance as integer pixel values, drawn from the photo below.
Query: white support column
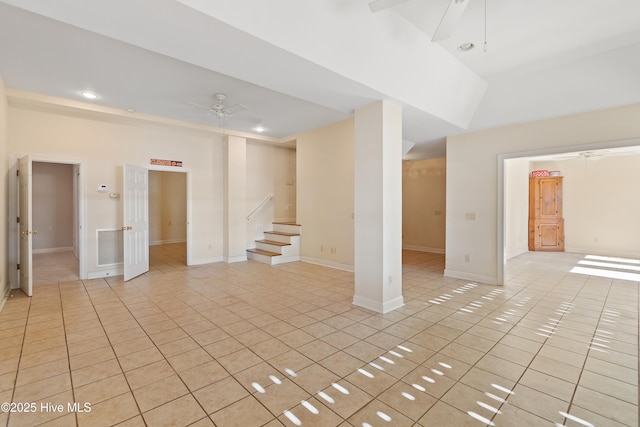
(235, 199)
(378, 207)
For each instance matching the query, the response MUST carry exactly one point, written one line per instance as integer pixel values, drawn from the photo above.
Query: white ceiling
(299, 65)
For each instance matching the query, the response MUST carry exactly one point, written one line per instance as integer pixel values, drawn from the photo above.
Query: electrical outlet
(467, 258)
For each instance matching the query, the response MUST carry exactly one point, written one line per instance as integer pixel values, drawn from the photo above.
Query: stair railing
(260, 205)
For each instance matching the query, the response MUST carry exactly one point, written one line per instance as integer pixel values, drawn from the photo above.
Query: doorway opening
(55, 215)
(47, 241)
(513, 176)
(167, 220)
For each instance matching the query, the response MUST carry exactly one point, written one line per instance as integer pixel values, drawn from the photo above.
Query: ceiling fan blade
(200, 106)
(378, 5)
(234, 109)
(561, 158)
(449, 20)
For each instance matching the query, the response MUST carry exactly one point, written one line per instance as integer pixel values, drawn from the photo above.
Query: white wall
(4, 183)
(472, 177)
(601, 204)
(325, 181)
(424, 205)
(516, 195)
(52, 206)
(167, 207)
(104, 143)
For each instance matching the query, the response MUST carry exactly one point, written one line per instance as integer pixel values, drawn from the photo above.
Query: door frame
(187, 171)
(81, 214)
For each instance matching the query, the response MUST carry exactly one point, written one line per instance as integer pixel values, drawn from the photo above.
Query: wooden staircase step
(287, 223)
(281, 233)
(261, 252)
(273, 242)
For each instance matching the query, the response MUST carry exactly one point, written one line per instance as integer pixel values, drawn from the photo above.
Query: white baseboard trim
(105, 273)
(329, 264)
(52, 250)
(423, 249)
(490, 280)
(377, 306)
(203, 261)
(233, 259)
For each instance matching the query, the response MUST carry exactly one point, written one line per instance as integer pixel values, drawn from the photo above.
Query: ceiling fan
(592, 155)
(448, 22)
(219, 108)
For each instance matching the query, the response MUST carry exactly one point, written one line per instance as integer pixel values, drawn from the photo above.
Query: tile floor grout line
(190, 392)
(423, 285)
(24, 337)
(140, 413)
(586, 358)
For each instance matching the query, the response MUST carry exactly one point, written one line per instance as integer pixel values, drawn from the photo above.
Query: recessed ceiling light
(464, 47)
(259, 129)
(89, 95)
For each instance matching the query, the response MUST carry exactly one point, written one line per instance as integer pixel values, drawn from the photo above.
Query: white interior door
(26, 219)
(135, 206)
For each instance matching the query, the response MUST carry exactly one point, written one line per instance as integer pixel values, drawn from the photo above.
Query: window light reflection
(408, 396)
(258, 387)
(489, 407)
(310, 407)
(293, 418)
(613, 259)
(340, 388)
(501, 388)
(481, 418)
(291, 372)
(610, 265)
(576, 419)
(366, 373)
(418, 387)
(326, 397)
(606, 273)
(384, 416)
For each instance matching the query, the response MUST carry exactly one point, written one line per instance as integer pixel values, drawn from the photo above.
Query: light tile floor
(247, 344)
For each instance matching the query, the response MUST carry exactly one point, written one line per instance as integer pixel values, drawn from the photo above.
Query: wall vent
(110, 247)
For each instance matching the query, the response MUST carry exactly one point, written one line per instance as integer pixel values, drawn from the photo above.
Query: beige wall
(4, 184)
(325, 180)
(601, 204)
(167, 207)
(52, 206)
(424, 205)
(103, 144)
(472, 177)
